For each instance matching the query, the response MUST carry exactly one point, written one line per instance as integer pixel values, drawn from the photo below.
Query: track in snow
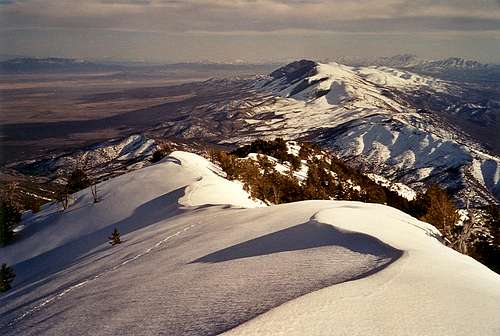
(219, 289)
(54, 298)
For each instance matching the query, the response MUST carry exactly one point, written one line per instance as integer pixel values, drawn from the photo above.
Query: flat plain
(43, 112)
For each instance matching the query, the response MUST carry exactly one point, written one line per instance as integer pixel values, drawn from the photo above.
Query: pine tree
(440, 211)
(9, 217)
(77, 181)
(114, 239)
(7, 275)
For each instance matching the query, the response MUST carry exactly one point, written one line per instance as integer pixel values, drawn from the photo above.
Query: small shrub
(439, 210)
(163, 150)
(95, 192)
(115, 239)
(34, 204)
(158, 155)
(63, 197)
(488, 251)
(295, 162)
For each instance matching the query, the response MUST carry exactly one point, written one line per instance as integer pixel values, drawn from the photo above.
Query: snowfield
(200, 258)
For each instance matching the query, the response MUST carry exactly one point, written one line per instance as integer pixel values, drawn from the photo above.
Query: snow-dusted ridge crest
(191, 265)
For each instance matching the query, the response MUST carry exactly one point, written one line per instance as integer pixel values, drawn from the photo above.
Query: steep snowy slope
(190, 265)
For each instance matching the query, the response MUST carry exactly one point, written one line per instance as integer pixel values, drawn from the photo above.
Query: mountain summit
(373, 118)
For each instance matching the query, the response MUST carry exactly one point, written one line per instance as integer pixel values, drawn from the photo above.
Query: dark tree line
(327, 177)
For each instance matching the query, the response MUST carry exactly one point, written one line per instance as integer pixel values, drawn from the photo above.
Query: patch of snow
(463, 217)
(36, 196)
(293, 148)
(284, 168)
(400, 188)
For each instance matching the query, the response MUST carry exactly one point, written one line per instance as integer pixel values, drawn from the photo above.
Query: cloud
(253, 15)
(225, 29)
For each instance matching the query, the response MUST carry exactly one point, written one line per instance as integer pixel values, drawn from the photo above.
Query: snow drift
(199, 258)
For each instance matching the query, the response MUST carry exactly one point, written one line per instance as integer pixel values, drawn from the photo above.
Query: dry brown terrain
(43, 113)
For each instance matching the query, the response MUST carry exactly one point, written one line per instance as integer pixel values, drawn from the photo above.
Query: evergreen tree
(77, 181)
(162, 150)
(9, 217)
(328, 177)
(440, 211)
(7, 275)
(158, 155)
(114, 239)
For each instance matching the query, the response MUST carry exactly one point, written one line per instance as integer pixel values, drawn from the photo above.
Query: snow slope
(398, 149)
(122, 197)
(338, 83)
(132, 147)
(199, 258)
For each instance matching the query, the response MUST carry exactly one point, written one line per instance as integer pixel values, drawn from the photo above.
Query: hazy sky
(251, 30)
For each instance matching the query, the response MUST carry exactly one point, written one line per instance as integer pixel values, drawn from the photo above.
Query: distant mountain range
(53, 64)
(388, 119)
(58, 65)
(453, 68)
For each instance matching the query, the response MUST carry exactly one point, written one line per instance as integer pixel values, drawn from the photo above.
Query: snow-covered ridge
(192, 265)
(408, 283)
(368, 116)
(409, 61)
(99, 160)
(132, 147)
(393, 147)
(193, 178)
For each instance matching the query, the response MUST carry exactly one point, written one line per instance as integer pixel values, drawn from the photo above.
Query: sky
(249, 30)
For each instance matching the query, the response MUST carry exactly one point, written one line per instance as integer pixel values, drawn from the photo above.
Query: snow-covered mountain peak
(295, 70)
(307, 80)
(380, 119)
